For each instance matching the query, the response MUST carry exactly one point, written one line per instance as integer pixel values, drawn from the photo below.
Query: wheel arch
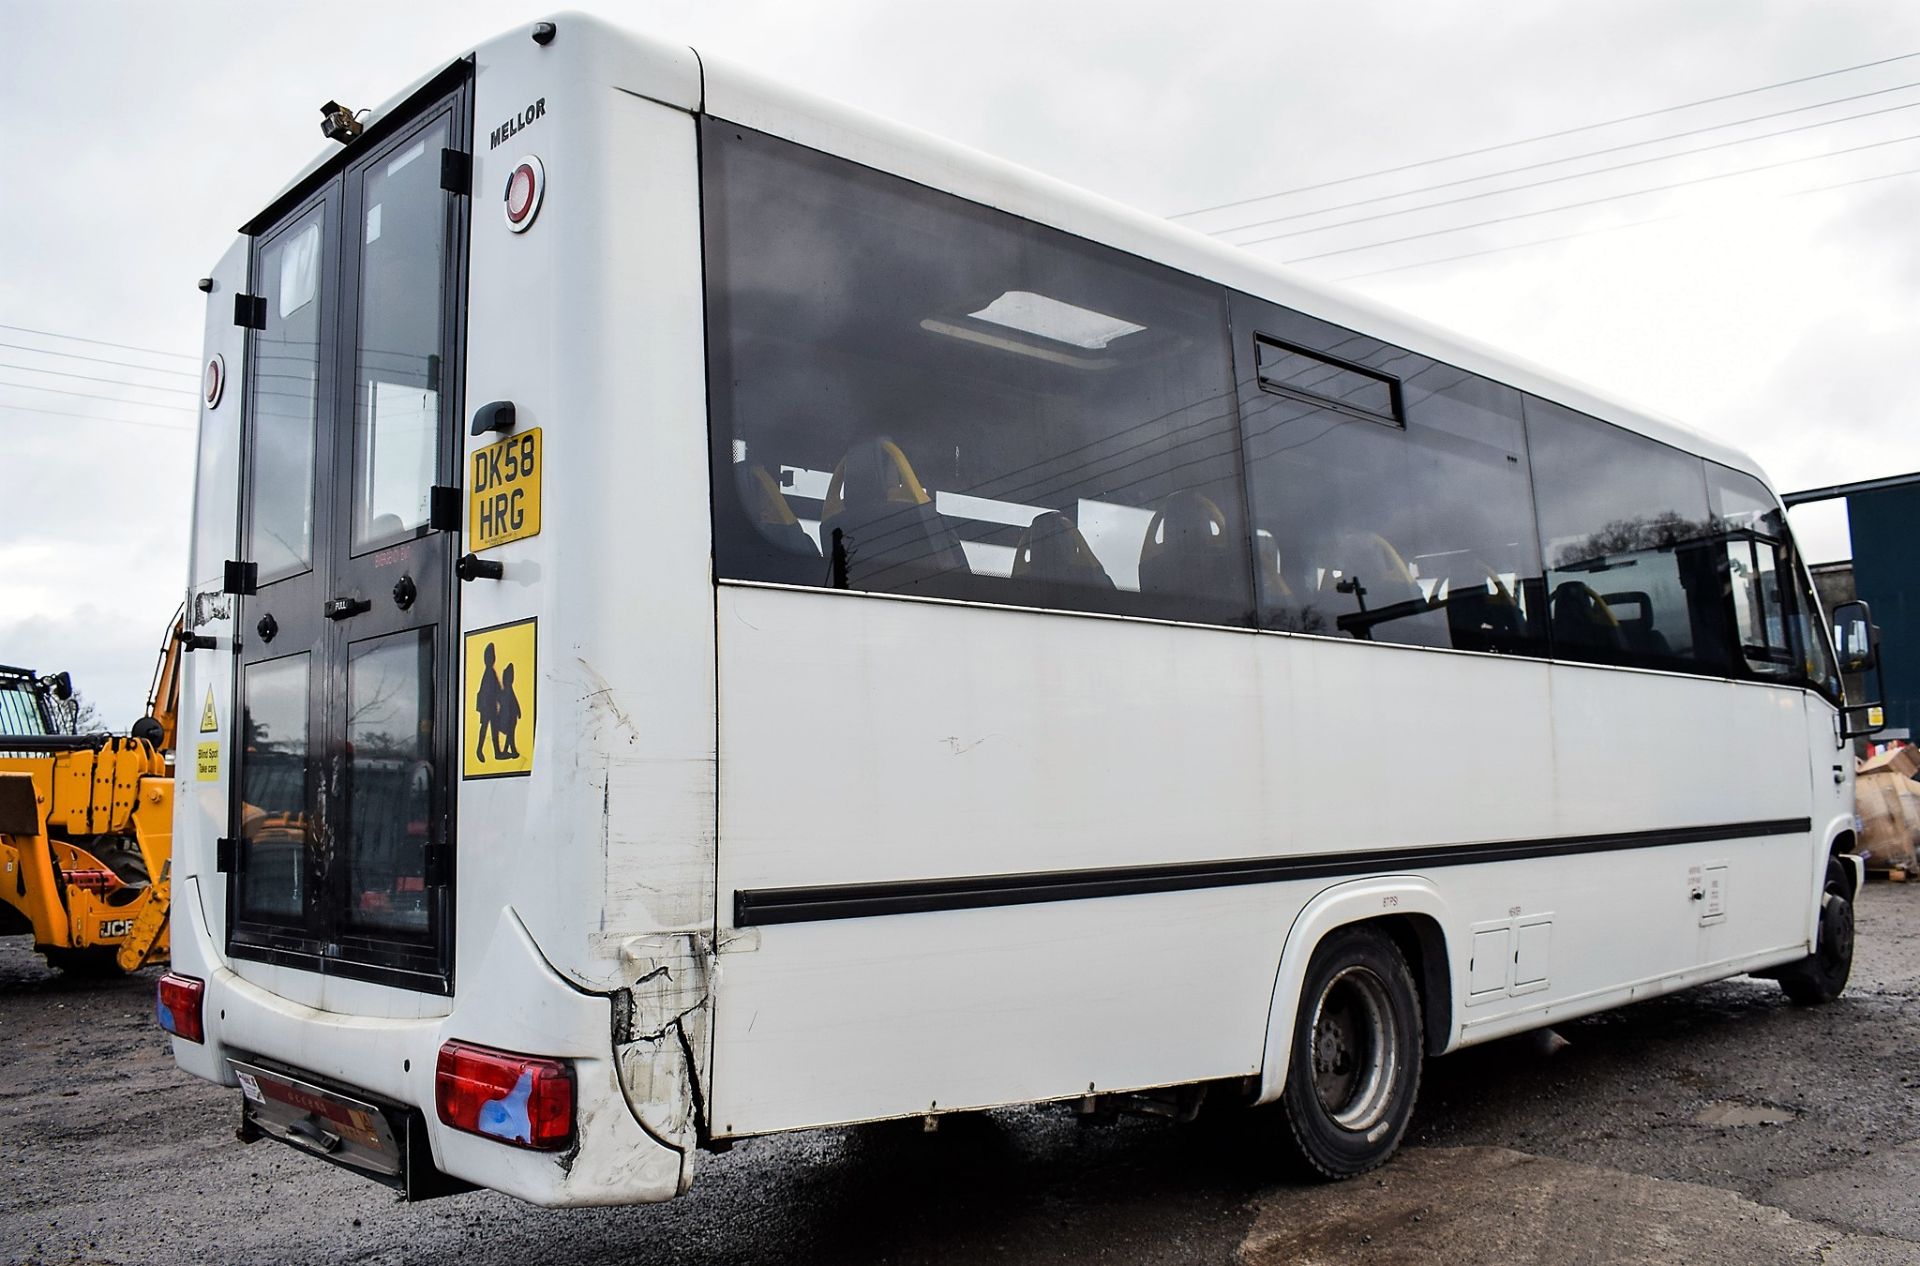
(1843, 846)
(1408, 909)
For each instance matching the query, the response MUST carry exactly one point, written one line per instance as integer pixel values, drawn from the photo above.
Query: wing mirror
(1856, 641)
(1855, 638)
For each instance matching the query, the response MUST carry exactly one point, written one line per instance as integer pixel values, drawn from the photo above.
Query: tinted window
(396, 431)
(1776, 620)
(1635, 564)
(914, 394)
(285, 393)
(1319, 380)
(1420, 534)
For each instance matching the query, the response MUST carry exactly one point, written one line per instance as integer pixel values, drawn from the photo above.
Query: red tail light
(177, 1004)
(518, 1099)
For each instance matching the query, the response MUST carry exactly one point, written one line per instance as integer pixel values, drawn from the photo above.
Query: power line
(1596, 153)
(1610, 228)
(97, 417)
(88, 395)
(1597, 171)
(117, 382)
(151, 351)
(1591, 202)
(97, 360)
(1546, 136)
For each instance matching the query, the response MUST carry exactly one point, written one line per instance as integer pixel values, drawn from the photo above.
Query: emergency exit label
(503, 491)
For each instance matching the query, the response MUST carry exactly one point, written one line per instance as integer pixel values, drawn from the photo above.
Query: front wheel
(1822, 975)
(1357, 1052)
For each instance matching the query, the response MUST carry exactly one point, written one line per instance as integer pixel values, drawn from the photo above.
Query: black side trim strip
(758, 906)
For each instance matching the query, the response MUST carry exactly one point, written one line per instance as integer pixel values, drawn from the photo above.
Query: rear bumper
(529, 1008)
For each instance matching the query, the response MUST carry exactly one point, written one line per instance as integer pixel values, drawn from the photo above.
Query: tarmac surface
(1718, 1125)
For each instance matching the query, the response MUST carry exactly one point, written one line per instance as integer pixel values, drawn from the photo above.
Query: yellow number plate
(503, 491)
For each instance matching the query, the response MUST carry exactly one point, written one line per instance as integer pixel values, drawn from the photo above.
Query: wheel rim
(1836, 934)
(1356, 1052)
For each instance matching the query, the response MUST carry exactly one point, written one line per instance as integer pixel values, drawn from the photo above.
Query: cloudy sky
(1758, 280)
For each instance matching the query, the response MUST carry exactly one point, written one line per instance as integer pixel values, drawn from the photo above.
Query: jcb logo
(111, 928)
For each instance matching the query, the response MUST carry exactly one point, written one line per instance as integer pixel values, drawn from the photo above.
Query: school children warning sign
(497, 739)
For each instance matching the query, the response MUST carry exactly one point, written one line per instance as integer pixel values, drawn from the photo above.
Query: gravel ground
(1717, 1125)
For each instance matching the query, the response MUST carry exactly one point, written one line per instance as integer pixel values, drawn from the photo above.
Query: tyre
(1822, 975)
(1357, 1052)
(127, 863)
(97, 962)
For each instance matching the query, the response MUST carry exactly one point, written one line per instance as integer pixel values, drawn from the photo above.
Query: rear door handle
(347, 608)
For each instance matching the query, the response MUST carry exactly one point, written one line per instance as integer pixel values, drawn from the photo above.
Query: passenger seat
(1052, 549)
(780, 548)
(1187, 550)
(1582, 619)
(890, 534)
(1637, 629)
(1375, 580)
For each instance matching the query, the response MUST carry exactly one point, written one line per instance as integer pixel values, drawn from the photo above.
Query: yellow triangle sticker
(209, 719)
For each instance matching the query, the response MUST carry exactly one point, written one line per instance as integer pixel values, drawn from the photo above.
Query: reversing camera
(338, 124)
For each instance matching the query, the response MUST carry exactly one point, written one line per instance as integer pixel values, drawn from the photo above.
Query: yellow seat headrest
(773, 503)
(1050, 526)
(1184, 504)
(903, 488)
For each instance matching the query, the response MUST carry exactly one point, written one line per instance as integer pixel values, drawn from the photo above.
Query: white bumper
(530, 1009)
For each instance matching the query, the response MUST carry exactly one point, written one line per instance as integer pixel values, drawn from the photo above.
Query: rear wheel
(1822, 975)
(1355, 1068)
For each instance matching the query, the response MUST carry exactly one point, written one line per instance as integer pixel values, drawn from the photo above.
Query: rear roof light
(524, 1100)
(177, 1004)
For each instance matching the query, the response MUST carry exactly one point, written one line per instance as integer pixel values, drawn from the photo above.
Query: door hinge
(443, 508)
(436, 866)
(250, 312)
(226, 854)
(456, 171)
(241, 577)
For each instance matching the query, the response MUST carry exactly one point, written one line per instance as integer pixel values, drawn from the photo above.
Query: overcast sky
(1764, 308)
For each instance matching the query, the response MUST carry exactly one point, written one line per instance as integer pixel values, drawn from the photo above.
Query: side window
(1755, 531)
(1634, 561)
(1780, 633)
(915, 394)
(1823, 672)
(1389, 492)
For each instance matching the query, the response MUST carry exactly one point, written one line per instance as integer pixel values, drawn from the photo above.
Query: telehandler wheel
(128, 865)
(1822, 975)
(96, 962)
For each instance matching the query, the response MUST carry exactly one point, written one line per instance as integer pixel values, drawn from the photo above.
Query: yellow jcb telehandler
(86, 823)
